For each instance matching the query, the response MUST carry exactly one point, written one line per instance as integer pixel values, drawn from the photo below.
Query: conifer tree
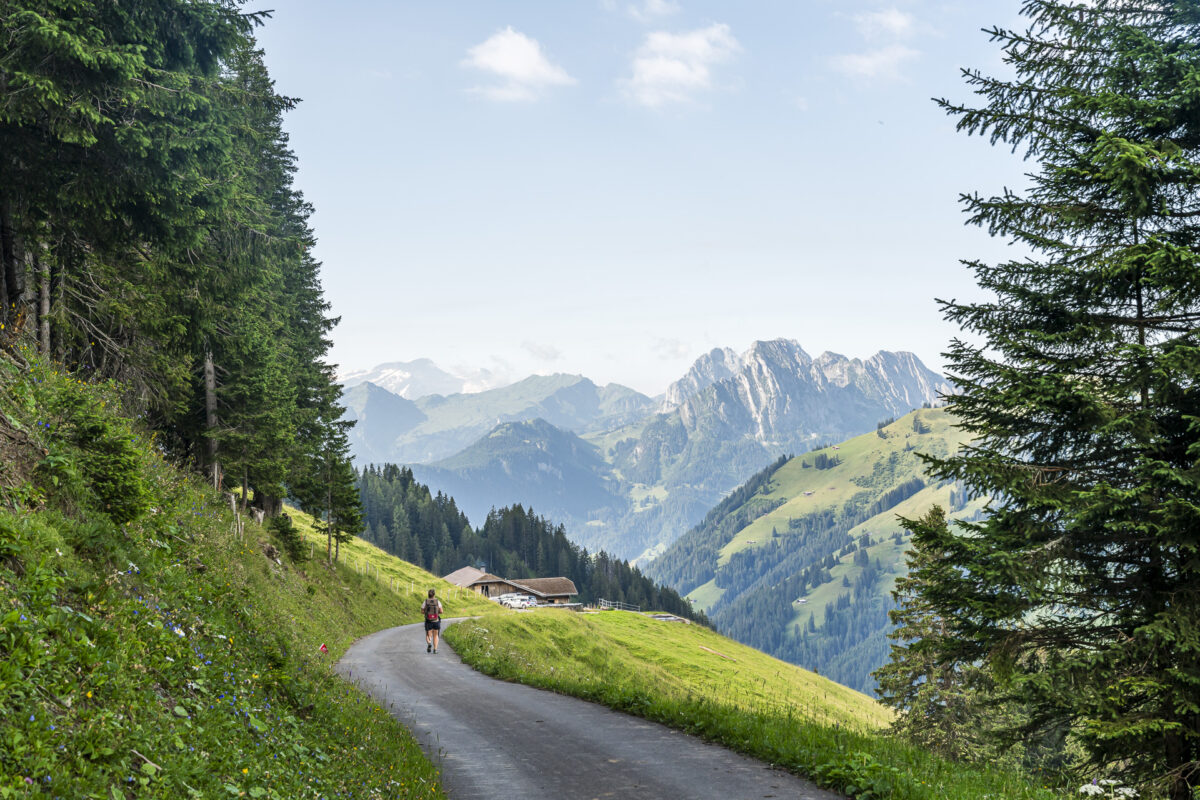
(1080, 591)
(935, 703)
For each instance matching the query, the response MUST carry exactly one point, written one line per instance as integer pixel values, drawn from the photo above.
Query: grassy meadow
(693, 679)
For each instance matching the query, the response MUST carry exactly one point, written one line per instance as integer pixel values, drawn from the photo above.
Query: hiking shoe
(428, 647)
(435, 651)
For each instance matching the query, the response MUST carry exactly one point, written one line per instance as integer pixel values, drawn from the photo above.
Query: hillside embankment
(155, 644)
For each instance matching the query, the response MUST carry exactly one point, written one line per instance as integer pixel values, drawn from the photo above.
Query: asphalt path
(492, 739)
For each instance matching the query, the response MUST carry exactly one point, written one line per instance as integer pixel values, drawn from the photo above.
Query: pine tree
(937, 707)
(1080, 592)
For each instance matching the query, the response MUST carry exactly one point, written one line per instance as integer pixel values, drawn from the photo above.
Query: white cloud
(523, 71)
(542, 352)
(652, 10)
(673, 67)
(885, 32)
(882, 63)
(889, 23)
(671, 349)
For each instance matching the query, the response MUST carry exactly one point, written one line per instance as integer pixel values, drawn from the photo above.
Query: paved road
(493, 739)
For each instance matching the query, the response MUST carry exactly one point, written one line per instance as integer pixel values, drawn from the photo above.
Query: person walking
(432, 609)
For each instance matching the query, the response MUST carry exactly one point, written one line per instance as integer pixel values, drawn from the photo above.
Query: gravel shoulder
(493, 739)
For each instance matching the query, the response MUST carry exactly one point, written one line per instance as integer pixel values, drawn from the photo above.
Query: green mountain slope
(801, 562)
(150, 646)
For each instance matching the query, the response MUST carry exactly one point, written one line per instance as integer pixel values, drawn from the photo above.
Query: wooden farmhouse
(549, 591)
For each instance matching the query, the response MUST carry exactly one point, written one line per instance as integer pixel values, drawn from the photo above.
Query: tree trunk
(1178, 759)
(10, 290)
(57, 279)
(210, 418)
(44, 306)
(329, 521)
(270, 505)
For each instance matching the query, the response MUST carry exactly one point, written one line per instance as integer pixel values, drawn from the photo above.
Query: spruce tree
(937, 705)
(1080, 590)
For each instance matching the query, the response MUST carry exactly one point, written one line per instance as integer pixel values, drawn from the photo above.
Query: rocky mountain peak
(782, 398)
(716, 365)
(777, 351)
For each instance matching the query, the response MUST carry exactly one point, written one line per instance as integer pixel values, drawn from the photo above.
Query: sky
(614, 187)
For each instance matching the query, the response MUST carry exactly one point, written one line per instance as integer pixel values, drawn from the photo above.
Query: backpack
(431, 610)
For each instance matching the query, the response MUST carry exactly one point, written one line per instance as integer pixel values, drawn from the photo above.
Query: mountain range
(420, 378)
(625, 472)
(394, 429)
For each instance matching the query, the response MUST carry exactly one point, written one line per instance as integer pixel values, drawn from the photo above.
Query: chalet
(548, 591)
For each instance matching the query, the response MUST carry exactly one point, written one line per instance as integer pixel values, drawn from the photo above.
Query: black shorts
(433, 625)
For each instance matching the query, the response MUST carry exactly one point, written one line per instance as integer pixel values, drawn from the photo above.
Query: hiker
(432, 609)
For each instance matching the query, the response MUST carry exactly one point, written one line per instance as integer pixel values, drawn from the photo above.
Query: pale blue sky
(613, 187)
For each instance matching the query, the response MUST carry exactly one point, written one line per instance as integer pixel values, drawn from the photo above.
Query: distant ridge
(775, 391)
(422, 378)
(400, 431)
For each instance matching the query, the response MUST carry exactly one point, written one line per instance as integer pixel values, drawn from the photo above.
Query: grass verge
(693, 679)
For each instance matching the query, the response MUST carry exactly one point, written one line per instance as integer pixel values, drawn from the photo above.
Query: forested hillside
(150, 233)
(404, 518)
(800, 561)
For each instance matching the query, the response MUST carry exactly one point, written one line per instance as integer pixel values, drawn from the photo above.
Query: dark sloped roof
(547, 586)
(487, 577)
(465, 576)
